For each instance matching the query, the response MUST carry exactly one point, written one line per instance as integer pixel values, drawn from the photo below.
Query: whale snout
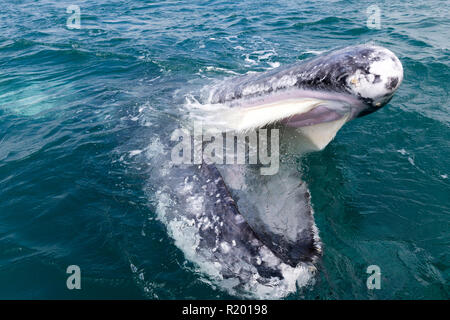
(376, 79)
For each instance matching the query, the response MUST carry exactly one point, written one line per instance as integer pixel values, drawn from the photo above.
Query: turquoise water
(77, 107)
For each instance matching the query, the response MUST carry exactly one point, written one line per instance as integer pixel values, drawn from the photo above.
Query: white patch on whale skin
(387, 68)
(225, 247)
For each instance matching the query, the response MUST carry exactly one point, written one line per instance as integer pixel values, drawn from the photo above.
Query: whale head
(317, 96)
(358, 80)
(373, 76)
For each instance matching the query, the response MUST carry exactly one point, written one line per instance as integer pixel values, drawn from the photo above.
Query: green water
(75, 105)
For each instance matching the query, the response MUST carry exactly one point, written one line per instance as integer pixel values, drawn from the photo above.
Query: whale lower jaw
(311, 138)
(308, 123)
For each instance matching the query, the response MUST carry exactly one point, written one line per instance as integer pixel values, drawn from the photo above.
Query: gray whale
(253, 235)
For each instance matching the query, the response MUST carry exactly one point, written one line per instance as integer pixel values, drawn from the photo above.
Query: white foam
(274, 65)
(217, 69)
(315, 52)
(133, 153)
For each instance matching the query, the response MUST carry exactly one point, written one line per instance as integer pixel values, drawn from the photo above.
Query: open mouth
(320, 114)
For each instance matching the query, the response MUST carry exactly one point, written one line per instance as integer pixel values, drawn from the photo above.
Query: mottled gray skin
(235, 227)
(303, 248)
(324, 77)
(203, 216)
(227, 243)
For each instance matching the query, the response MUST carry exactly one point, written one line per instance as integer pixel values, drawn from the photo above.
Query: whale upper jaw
(363, 76)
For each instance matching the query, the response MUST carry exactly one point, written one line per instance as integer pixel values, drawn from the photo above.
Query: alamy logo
(374, 280)
(74, 280)
(373, 17)
(74, 20)
(252, 147)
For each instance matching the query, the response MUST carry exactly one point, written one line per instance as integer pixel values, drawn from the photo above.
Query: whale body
(253, 235)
